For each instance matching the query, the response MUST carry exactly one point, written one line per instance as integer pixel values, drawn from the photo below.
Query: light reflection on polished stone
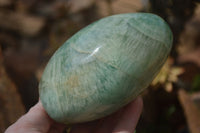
(104, 66)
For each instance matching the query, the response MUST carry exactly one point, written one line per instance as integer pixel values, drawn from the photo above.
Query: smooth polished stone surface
(104, 66)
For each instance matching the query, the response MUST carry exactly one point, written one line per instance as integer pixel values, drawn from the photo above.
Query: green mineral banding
(104, 66)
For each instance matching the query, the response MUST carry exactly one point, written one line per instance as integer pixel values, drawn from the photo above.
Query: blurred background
(31, 31)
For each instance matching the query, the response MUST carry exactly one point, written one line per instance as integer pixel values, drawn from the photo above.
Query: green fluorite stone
(104, 66)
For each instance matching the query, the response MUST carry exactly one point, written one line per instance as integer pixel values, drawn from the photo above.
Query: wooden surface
(10, 101)
(191, 111)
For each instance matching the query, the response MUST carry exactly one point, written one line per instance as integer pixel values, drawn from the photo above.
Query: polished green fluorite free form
(104, 66)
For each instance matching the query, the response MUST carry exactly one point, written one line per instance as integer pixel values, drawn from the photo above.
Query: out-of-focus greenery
(196, 83)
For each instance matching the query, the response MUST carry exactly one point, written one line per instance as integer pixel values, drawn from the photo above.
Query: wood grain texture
(104, 66)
